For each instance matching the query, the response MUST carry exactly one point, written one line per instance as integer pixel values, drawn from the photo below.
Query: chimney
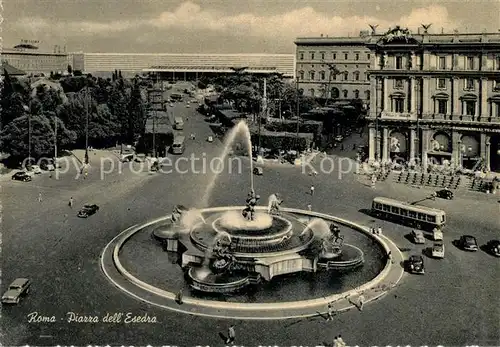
(418, 31)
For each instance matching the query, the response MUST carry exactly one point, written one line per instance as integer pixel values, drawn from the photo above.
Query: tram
(420, 217)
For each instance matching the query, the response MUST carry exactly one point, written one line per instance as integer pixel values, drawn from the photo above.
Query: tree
(14, 97)
(15, 136)
(137, 114)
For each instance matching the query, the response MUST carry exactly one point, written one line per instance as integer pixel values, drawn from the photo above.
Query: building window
(301, 75)
(356, 75)
(367, 95)
(497, 107)
(441, 83)
(357, 56)
(368, 56)
(322, 75)
(497, 62)
(346, 56)
(399, 105)
(398, 83)
(312, 92)
(469, 84)
(442, 106)
(312, 75)
(496, 84)
(470, 63)
(442, 63)
(322, 56)
(312, 56)
(356, 94)
(346, 76)
(334, 56)
(301, 56)
(345, 93)
(470, 107)
(399, 62)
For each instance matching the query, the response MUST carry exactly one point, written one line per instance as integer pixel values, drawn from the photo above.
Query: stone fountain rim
(123, 237)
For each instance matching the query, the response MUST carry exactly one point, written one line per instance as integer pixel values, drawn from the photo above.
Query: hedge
(291, 127)
(282, 141)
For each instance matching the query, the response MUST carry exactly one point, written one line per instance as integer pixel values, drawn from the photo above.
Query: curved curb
(233, 309)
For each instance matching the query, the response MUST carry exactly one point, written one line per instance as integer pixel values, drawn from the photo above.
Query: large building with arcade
(435, 98)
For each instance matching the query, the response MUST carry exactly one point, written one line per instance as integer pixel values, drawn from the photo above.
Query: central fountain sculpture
(225, 249)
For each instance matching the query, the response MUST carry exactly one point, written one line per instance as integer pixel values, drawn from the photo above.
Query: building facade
(183, 66)
(33, 61)
(333, 67)
(436, 99)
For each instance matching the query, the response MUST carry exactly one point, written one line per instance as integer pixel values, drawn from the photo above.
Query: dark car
(415, 264)
(258, 171)
(88, 210)
(445, 194)
(468, 243)
(18, 288)
(493, 247)
(21, 176)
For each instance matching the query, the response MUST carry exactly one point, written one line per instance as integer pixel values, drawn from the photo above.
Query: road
(455, 303)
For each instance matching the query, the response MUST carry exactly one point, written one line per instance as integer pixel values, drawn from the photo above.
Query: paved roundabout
(121, 276)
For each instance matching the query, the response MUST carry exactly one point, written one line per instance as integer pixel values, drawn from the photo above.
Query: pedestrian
(354, 146)
(379, 231)
(40, 197)
(340, 342)
(330, 313)
(341, 146)
(309, 207)
(70, 203)
(231, 334)
(372, 230)
(312, 190)
(361, 302)
(335, 341)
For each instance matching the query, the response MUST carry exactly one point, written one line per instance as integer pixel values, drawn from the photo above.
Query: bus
(178, 145)
(421, 217)
(178, 123)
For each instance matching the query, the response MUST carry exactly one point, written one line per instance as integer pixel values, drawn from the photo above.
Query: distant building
(435, 98)
(172, 66)
(33, 61)
(333, 67)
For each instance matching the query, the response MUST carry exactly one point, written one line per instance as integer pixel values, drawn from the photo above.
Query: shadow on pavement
(427, 252)
(409, 238)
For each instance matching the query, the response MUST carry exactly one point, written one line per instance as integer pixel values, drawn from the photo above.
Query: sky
(225, 26)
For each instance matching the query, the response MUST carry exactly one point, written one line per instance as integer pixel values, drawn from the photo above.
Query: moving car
(258, 171)
(445, 194)
(21, 176)
(88, 210)
(493, 247)
(19, 287)
(36, 169)
(415, 264)
(210, 139)
(339, 138)
(438, 251)
(468, 243)
(418, 236)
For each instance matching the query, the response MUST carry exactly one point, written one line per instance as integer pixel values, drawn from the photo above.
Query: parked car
(415, 264)
(493, 247)
(21, 176)
(468, 243)
(258, 171)
(210, 139)
(88, 210)
(438, 250)
(18, 288)
(445, 194)
(36, 169)
(47, 166)
(418, 236)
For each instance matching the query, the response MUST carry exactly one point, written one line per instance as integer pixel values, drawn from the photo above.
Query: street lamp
(87, 126)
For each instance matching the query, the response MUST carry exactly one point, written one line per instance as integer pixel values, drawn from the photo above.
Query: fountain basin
(219, 284)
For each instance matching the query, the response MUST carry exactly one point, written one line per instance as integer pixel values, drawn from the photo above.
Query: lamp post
(87, 126)
(298, 112)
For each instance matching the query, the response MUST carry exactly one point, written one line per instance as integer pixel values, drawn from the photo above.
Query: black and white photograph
(250, 173)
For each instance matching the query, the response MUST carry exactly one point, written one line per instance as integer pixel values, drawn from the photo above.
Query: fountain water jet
(241, 127)
(190, 217)
(319, 227)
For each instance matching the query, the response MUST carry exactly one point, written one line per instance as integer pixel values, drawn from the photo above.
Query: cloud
(192, 17)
